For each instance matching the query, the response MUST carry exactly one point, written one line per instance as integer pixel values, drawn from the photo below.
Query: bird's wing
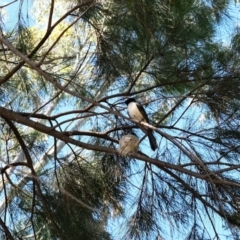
(141, 109)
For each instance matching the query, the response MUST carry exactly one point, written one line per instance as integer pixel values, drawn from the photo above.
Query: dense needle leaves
(66, 69)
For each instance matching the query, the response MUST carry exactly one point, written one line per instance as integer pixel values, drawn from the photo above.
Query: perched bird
(128, 144)
(137, 112)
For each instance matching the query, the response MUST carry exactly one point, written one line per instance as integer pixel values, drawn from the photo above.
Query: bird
(137, 112)
(128, 144)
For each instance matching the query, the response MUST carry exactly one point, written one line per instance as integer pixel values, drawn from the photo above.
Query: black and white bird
(137, 112)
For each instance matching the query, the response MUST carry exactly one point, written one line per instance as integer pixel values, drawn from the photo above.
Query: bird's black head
(130, 100)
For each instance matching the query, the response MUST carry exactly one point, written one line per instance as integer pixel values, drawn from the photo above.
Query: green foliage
(80, 203)
(24, 41)
(63, 113)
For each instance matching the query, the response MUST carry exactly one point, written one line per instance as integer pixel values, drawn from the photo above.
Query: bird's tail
(152, 140)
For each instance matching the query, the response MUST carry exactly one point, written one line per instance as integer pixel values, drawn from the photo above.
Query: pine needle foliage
(64, 78)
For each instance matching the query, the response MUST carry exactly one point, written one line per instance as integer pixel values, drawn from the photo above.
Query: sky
(10, 13)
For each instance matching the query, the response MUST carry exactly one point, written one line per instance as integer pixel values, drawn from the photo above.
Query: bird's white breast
(134, 113)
